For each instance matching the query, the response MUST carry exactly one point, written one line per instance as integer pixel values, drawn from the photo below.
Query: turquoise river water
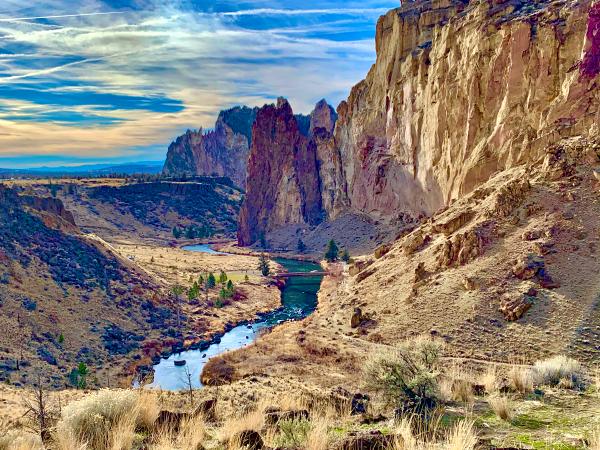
(298, 300)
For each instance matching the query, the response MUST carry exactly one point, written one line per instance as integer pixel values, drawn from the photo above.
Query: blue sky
(118, 80)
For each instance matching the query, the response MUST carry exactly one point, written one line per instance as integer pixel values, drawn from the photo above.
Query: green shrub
(406, 376)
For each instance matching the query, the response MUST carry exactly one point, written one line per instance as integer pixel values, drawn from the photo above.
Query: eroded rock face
(447, 105)
(283, 178)
(222, 152)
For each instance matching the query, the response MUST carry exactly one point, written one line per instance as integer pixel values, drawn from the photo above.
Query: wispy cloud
(60, 16)
(116, 77)
(303, 12)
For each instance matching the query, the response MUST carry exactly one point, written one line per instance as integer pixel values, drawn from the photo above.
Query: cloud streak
(60, 16)
(122, 78)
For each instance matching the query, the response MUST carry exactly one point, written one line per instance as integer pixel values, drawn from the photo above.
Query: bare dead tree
(39, 411)
(188, 380)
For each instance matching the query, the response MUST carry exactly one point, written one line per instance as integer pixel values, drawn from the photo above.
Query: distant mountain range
(144, 167)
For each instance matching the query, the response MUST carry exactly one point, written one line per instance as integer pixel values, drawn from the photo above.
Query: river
(298, 300)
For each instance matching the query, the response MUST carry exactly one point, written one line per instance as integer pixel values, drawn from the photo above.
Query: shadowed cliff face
(222, 152)
(461, 91)
(283, 184)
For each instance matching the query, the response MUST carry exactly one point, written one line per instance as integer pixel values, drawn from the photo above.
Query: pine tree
(345, 256)
(83, 372)
(230, 286)
(331, 254)
(263, 265)
(301, 246)
(223, 277)
(176, 232)
(211, 281)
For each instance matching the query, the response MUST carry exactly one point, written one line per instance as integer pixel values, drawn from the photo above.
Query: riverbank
(298, 300)
(207, 317)
(232, 248)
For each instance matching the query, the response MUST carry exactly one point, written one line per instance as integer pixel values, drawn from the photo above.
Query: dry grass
(502, 406)
(558, 370)
(253, 420)
(20, 441)
(192, 435)
(595, 439)
(318, 436)
(520, 379)
(457, 385)
(148, 409)
(489, 379)
(106, 420)
(462, 436)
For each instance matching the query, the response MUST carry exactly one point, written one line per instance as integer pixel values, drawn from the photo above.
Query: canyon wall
(461, 91)
(283, 178)
(222, 152)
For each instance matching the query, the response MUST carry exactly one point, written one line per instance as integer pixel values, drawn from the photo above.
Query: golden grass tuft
(148, 409)
(457, 385)
(520, 380)
(595, 439)
(318, 436)
(489, 379)
(462, 436)
(502, 406)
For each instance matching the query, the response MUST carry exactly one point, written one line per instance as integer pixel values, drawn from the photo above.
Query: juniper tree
(301, 246)
(263, 265)
(211, 281)
(331, 254)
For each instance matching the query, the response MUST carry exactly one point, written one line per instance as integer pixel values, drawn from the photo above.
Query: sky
(95, 81)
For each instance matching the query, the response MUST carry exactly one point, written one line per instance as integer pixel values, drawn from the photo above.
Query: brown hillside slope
(461, 276)
(64, 298)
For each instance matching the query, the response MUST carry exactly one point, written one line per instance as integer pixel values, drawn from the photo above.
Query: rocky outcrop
(222, 152)
(284, 183)
(461, 91)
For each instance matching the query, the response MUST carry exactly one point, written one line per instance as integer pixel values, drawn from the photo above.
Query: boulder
(207, 409)
(515, 308)
(528, 267)
(359, 403)
(170, 420)
(382, 250)
(412, 242)
(369, 440)
(273, 415)
(420, 273)
(357, 318)
(249, 440)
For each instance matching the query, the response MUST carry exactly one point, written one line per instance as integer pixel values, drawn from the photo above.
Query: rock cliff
(222, 152)
(461, 91)
(283, 178)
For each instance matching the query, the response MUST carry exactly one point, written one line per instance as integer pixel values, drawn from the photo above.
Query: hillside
(117, 209)
(66, 299)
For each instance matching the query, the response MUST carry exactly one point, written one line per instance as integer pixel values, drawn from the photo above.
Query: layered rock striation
(461, 91)
(222, 152)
